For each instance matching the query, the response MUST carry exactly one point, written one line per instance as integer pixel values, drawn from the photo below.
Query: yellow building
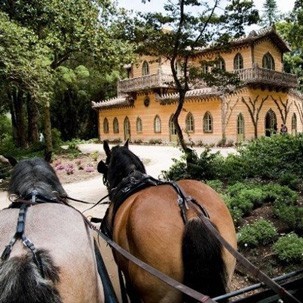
(267, 98)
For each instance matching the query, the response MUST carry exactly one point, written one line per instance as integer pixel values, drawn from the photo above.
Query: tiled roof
(195, 93)
(119, 101)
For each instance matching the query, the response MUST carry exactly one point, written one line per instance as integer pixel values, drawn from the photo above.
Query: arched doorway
(127, 134)
(172, 130)
(270, 123)
(240, 128)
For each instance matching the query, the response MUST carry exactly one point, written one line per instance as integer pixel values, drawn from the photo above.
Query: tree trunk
(18, 118)
(47, 129)
(32, 114)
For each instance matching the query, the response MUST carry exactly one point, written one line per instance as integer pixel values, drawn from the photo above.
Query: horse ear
(102, 167)
(106, 148)
(126, 143)
(48, 156)
(11, 160)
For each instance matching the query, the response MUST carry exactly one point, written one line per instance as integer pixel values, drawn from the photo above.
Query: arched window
(205, 67)
(221, 64)
(139, 125)
(208, 123)
(189, 122)
(178, 67)
(268, 61)
(105, 126)
(294, 124)
(116, 126)
(172, 127)
(157, 124)
(240, 128)
(145, 68)
(127, 132)
(238, 62)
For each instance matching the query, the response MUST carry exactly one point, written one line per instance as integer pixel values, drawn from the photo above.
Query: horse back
(61, 231)
(149, 225)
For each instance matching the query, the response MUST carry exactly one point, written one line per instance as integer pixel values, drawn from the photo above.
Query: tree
(184, 27)
(70, 28)
(24, 72)
(270, 13)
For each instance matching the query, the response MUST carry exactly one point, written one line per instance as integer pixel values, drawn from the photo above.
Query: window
(238, 62)
(189, 122)
(157, 124)
(240, 124)
(178, 67)
(145, 68)
(205, 67)
(207, 123)
(105, 126)
(268, 61)
(221, 64)
(116, 126)
(172, 127)
(294, 124)
(139, 125)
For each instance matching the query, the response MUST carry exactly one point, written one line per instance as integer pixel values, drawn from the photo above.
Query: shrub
(289, 248)
(217, 185)
(261, 232)
(203, 167)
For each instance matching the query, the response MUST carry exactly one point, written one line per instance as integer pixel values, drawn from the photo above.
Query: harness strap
(109, 293)
(19, 235)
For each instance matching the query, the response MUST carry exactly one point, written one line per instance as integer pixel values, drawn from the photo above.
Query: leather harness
(23, 204)
(32, 199)
(137, 181)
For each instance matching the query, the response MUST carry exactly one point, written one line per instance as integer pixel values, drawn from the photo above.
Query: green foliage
(5, 129)
(266, 158)
(289, 248)
(261, 232)
(192, 166)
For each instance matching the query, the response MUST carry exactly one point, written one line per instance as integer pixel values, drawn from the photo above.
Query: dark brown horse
(150, 220)
(46, 248)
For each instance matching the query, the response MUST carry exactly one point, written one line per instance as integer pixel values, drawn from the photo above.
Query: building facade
(266, 98)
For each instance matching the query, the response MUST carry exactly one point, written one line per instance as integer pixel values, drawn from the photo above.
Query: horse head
(34, 175)
(119, 163)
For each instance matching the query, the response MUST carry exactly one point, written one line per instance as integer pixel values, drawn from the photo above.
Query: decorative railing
(263, 76)
(146, 82)
(255, 75)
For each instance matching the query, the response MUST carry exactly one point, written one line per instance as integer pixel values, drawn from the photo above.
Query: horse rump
(204, 267)
(22, 281)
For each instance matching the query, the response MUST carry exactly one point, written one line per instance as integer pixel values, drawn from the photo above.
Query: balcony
(266, 77)
(159, 80)
(251, 76)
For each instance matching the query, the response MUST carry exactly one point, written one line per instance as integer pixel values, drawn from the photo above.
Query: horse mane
(34, 174)
(122, 163)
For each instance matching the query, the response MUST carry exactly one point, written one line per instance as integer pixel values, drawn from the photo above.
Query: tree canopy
(44, 35)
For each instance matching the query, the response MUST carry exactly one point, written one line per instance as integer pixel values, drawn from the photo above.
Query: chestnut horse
(145, 219)
(47, 250)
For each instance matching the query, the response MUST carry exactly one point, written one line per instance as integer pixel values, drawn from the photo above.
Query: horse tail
(21, 280)
(204, 267)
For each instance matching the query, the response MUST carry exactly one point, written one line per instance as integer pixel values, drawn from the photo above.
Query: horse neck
(125, 164)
